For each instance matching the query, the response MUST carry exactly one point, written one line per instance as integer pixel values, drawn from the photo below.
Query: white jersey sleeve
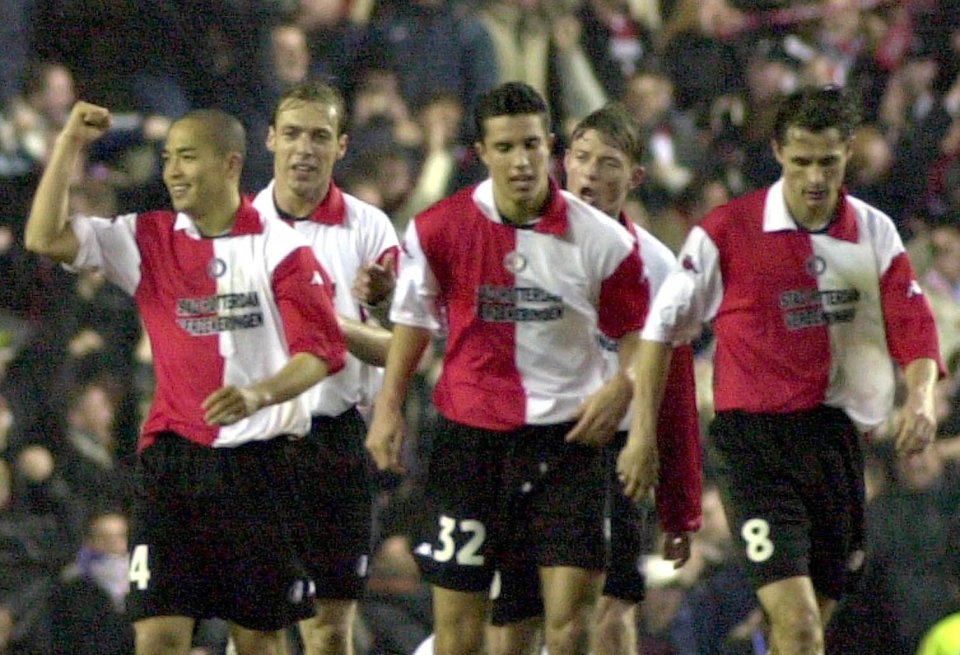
(378, 235)
(691, 294)
(109, 246)
(415, 297)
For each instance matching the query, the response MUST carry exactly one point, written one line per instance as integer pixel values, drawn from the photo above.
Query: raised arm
(47, 232)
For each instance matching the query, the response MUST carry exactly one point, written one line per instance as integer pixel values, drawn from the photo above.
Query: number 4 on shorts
(139, 566)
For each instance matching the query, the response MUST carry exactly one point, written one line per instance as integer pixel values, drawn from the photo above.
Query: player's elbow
(35, 243)
(41, 243)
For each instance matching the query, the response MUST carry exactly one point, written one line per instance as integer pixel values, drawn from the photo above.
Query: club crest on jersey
(688, 264)
(514, 262)
(216, 267)
(816, 265)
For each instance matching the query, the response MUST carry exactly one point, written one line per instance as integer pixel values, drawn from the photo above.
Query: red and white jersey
(520, 306)
(801, 318)
(656, 261)
(229, 310)
(345, 234)
(678, 425)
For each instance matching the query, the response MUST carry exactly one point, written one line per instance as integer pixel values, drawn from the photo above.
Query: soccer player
(519, 273)
(240, 320)
(356, 243)
(812, 300)
(602, 166)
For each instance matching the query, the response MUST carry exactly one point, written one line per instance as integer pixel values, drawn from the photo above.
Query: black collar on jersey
(332, 211)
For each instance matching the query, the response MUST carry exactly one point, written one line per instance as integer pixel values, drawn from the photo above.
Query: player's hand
(230, 404)
(915, 424)
(385, 436)
(375, 282)
(599, 416)
(637, 467)
(676, 547)
(86, 123)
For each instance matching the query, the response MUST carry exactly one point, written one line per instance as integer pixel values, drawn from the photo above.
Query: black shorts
(516, 593)
(209, 536)
(792, 488)
(509, 501)
(332, 520)
(625, 533)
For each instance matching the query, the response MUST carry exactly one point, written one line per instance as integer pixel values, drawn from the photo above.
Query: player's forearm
(627, 353)
(621, 384)
(299, 374)
(47, 232)
(651, 364)
(920, 377)
(368, 343)
(406, 349)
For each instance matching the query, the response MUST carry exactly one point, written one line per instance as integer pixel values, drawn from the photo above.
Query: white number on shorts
(756, 533)
(448, 548)
(139, 570)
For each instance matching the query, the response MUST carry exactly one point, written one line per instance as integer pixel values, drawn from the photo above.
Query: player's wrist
(377, 305)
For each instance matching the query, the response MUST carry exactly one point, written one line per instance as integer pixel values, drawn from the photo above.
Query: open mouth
(588, 194)
(303, 169)
(178, 191)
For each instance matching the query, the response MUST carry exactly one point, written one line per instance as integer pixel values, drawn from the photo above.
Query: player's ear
(481, 152)
(271, 139)
(638, 175)
(235, 162)
(342, 141)
(777, 151)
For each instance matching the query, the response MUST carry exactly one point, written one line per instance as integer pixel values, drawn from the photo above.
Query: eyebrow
(182, 149)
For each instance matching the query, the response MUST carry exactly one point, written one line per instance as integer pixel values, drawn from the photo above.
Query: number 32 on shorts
(756, 532)
(466, 555)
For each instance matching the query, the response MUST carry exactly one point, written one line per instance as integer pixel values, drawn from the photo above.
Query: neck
(219, 221)
(521, 213)
(300, 205)
(812, 222)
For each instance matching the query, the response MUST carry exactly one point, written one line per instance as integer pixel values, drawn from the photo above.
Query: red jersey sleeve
(304, 295)
(624, 298)
(907, 317)
(678, 443)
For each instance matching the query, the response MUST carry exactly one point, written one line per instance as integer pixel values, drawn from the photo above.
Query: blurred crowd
(703, 77)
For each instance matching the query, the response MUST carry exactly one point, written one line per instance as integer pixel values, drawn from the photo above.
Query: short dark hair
(817, 108)
(224, 132)
(508, 99)
(318, 92)
(618, 127)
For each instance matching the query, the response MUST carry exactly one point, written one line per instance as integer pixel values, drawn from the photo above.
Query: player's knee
(610, 616)
(326, 638)
(514, 639)
(463, 638)
(798, 633)
(257, 643)
(612, 633)
(161, 641)
(567, 636)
